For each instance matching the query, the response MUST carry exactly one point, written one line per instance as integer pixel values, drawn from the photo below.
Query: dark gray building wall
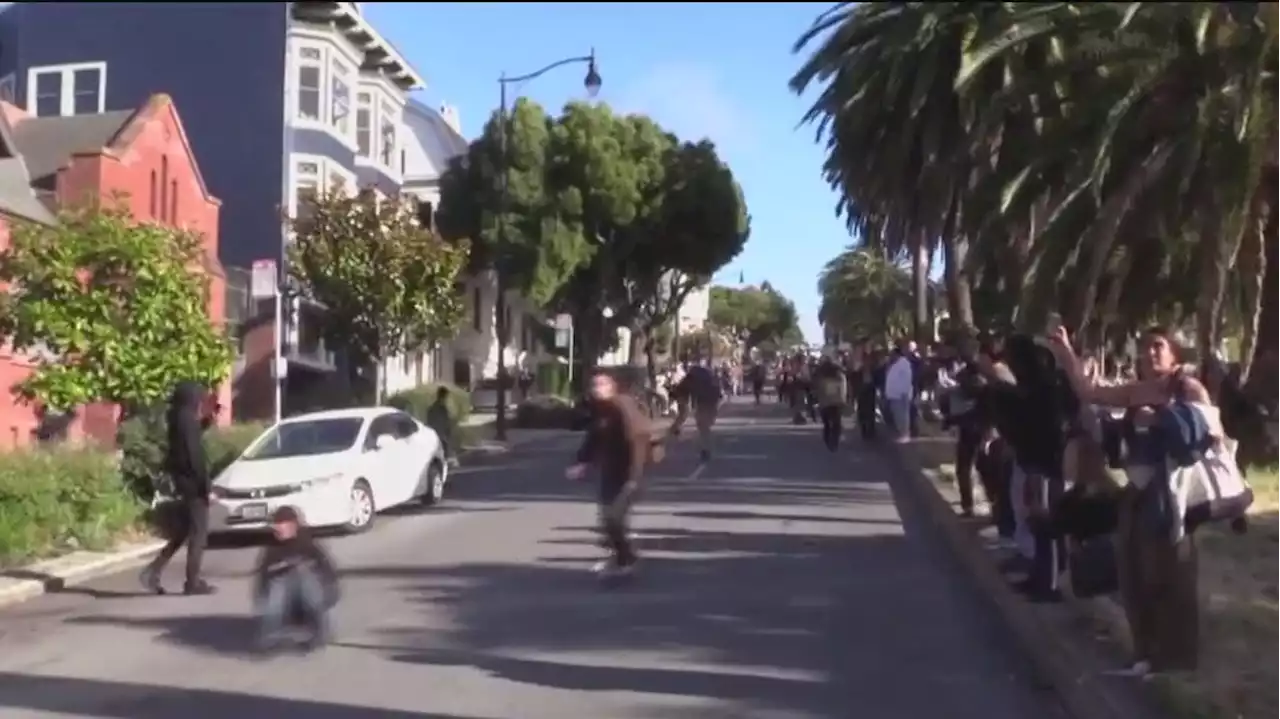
(223, 64)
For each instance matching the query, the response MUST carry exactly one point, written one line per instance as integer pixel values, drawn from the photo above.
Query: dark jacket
(618, 439)
(300, 553)
(700, 386)
(185, 459)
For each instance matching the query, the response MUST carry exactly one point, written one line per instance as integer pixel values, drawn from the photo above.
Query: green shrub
(416, 401)
(224, 445)
(62, 499)
(545, 412)
(552, 378)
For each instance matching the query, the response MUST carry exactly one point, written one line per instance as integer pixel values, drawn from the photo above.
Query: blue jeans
(900, 415)
(298, 592)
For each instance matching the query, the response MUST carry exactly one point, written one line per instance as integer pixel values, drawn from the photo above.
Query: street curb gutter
(26, 583)
(1059, 664)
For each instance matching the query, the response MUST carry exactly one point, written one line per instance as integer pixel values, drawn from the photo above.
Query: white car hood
(260, 473)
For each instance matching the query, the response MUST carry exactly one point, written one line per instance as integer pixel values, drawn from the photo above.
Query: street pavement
(782, 582)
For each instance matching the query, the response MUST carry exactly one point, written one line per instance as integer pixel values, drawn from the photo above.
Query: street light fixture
(592, 83)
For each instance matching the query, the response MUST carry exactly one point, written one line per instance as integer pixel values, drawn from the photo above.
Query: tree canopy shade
(1108, 162)
(114, 310)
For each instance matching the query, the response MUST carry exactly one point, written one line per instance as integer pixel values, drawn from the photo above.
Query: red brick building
(139, 157)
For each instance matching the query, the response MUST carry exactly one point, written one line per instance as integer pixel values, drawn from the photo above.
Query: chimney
(450, 115)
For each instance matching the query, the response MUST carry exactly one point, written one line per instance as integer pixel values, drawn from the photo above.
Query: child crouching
(296, 584)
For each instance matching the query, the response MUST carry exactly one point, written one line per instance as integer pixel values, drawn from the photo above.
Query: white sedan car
(339, 468)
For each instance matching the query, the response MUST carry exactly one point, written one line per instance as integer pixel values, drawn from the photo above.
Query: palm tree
(864, 294)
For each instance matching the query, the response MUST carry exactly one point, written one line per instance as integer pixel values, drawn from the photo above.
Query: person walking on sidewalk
(619, 442)
(830, 391)
(191, 411)
(700, 390)
(899, 392)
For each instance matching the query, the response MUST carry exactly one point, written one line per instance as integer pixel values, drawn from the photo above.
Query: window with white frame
(306, 188)
(340, 103)
(63, 90)
(364, 125)
(387, 137)
(8, 88)
(310, 83)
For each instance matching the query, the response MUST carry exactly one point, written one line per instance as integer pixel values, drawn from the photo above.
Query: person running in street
(441, 421)
(619, 443)
(830, 391)
(699, 391)
(191, 411)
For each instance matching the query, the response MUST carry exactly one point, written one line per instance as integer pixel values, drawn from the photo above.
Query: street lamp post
(592, 84)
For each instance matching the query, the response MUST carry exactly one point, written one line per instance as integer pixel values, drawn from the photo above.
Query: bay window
(388, 136)
(340, 104)
(310, 71)
(364, 125)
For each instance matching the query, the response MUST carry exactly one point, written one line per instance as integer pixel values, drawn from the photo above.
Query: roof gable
(158, 107)
(47, 144)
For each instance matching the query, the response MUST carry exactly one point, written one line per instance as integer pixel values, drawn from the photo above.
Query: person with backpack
(700, 393)
(619, 443)
(830, 391)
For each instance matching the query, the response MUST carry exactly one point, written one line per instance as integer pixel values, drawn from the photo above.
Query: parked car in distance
(339, 468)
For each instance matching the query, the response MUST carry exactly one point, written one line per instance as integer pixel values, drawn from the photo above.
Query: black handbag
(1093, 568)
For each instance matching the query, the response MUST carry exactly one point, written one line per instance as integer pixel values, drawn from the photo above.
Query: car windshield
(306, 438)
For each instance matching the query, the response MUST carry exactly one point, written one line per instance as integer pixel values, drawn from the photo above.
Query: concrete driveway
(784, 582)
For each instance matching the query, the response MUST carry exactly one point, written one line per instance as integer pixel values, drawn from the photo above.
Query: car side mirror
(383, 441)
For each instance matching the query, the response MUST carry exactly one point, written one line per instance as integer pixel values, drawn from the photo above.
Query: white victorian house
(434, 138)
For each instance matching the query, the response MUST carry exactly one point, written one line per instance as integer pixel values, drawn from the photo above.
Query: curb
(26, 583)
(1057, 662)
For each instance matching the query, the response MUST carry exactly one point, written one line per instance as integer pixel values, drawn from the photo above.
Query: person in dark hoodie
(619, 442)
(191, 411)
(294, 583)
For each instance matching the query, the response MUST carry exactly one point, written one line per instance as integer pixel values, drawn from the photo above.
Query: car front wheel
(362, 508)
(433, 481)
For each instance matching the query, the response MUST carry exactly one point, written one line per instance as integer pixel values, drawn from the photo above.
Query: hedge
(60, 499)
(546, 412)
(418, 400)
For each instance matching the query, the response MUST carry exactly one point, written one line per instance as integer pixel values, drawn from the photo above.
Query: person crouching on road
(619, 443)
(296, 583)
(830, 390)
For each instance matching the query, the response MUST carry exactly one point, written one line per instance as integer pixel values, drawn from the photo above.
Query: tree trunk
(920, 283)
(959, 292)
(651, 360)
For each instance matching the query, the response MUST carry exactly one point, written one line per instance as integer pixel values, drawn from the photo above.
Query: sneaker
(150, 581)
(604, 566)
(198, 588)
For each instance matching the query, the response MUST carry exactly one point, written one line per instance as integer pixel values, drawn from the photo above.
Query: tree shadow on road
(125, 700)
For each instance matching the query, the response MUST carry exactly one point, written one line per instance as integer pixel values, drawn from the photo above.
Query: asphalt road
(784, 582)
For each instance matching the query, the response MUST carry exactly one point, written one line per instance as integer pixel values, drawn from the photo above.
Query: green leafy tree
(114, 310)
(388, 285)
(864, 294)
(525, 240)
(699, 225)
(754, 315)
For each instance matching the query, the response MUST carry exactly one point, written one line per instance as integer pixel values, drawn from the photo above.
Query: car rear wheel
(363, 511)
(433, 482)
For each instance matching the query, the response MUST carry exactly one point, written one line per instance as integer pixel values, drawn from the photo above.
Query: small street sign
(262, 280)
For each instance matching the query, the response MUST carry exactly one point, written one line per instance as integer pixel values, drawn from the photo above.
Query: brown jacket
(618, 439)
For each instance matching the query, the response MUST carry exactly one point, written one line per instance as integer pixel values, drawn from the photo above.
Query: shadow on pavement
(123, 700)
(213, 633)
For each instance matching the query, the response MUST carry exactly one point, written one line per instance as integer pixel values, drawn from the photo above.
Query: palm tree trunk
(920, 285)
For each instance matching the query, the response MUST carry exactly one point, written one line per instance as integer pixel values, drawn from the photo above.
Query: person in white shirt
(899, 390)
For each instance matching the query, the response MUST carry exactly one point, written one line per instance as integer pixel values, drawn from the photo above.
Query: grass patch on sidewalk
(1237, 678)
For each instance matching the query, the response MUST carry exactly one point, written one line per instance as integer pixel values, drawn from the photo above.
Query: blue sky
(716, 70)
